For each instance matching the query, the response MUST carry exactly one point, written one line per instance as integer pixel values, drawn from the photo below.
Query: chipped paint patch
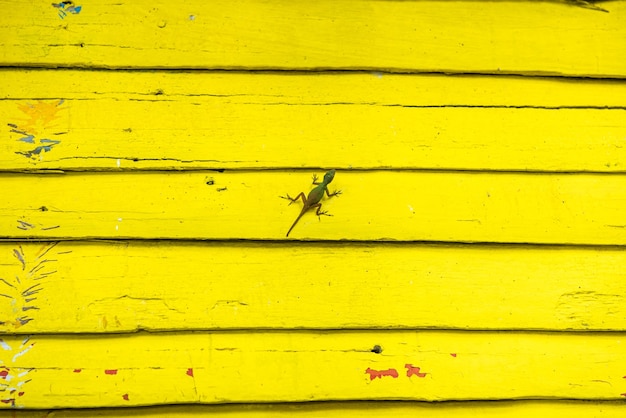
(36, 129)
(19, 288)
(381, 373)
(413, 371)
(13, 378)
(67, 7)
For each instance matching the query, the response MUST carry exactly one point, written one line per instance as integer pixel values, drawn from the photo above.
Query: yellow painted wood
(126, 286)
(503, 409)
(126, 370)
(430, 36)
(130, 120)
(375, 205)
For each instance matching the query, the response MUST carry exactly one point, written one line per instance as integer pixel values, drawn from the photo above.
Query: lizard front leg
(335, 193)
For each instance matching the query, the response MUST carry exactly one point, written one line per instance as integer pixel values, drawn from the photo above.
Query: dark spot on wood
(43, 209)
(377, 349)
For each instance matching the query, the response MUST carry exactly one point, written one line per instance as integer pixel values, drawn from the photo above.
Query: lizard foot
(335, 193)
(287, 197)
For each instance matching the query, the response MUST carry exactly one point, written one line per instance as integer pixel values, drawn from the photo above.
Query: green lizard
(314, 197)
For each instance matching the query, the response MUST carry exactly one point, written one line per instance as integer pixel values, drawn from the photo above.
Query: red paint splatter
(7, 400)
(20, 394)
(4, 374)
(125, 396)
(623, 394)
(110, 371)
(453, 354)
(190, 372)
(413, 371)
(380, 373)
(78, 370)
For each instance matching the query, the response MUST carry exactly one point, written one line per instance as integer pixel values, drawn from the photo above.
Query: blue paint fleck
(30, 139)
(49, 141)
(66, 7)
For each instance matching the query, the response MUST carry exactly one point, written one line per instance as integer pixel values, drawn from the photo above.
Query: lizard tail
(295, 222)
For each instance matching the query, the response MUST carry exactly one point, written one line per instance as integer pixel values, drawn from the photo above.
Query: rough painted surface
(548, 37)
(404, 409)
(375, 205)
(346, 121)
(127, 286)
(143, 369)
(507, 194)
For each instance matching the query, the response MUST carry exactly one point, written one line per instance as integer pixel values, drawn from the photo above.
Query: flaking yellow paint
(61, 371)
(502, 409)
(129, 121)
(523, 37)
(103, 287)
(518, 164)
(375, 205)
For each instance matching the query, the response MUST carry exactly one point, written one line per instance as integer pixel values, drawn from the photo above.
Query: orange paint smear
(413, 371)
(381, 373)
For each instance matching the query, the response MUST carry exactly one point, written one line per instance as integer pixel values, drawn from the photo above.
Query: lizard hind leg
(295, 199)
(319, 212)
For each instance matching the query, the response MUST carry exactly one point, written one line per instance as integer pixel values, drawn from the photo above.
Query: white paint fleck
(4, 345)
(192, 17)
(411, 208)
(118, 162)
(21, 353)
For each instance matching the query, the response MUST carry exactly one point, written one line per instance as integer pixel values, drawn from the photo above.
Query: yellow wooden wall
(474, 264)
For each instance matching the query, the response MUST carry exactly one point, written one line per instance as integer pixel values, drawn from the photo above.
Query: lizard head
(328, 177)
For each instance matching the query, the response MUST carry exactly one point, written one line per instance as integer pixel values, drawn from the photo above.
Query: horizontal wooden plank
(430, 36)
(389, 409)
(406, 206)
(126, 286)
(94, 120)
(127, 370)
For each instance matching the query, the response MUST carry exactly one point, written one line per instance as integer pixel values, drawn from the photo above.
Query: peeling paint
(381, 373)
(20, 293)
(13, 378)
(37, 127)
(67, 7)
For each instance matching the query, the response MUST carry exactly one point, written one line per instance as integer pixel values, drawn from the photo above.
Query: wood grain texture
(426, 36)
(389, 409)
(375, 205)
(482, 215)
(127, 370)
(135, 120)
(81, 287)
